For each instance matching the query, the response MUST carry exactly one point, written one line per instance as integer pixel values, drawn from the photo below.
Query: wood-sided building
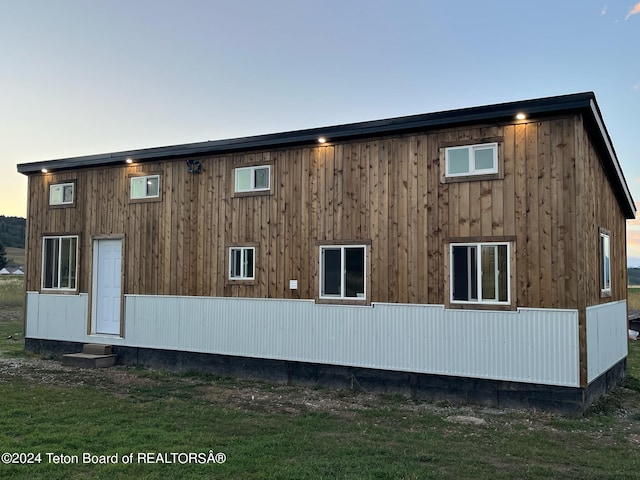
(477, 254)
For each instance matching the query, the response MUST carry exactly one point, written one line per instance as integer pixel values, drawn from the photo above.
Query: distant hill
(633, 275)
(12, 231)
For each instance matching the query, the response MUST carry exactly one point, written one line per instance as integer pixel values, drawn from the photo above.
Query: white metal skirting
(607, 337)
(529, 345)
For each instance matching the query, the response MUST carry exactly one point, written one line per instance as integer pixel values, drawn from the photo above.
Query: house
(476, 254)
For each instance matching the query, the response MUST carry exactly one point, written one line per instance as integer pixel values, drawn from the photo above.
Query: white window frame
(63, 186)
(472, 170)
(343, 273)
(146, 179)
(252, 171)
(58, 268)
(243, 275)
(605, 263)
(481, 301)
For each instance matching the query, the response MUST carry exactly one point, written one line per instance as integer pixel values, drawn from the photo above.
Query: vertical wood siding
(383, 191)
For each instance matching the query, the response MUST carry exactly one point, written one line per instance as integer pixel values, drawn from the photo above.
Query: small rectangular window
(145, 187)
(605, 263)
(61, 194)
(241, 263)
(342, 272)
(471, 160)
(479, 272)
(59, 263)
(253, 179)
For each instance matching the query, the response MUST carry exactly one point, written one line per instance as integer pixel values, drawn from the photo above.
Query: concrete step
(97, 349)
(88, 360)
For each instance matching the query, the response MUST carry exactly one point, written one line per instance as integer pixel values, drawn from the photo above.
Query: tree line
(12, 231)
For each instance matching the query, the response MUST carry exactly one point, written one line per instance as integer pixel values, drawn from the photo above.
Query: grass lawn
(280, 432)
(633, 294)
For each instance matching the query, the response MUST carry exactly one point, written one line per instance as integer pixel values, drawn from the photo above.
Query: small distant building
(12, 271)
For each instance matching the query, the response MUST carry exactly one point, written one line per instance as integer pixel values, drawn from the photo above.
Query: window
(241, 263)
(61, 194)
(479, 272)
(253, 179)
(145, 187)
(471, 160)
(60, 262)
(605, 263)
(342, 272)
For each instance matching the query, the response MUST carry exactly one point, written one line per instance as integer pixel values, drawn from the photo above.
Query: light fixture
(44, 170)
(520, 116)
(129, 160)
(322, 140)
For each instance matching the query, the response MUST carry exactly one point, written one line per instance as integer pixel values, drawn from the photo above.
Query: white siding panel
(57, 317)
(529, 345)
(607, 337)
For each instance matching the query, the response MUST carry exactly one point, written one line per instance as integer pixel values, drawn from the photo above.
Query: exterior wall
(537, 346)
(386, 192)
(607, 342)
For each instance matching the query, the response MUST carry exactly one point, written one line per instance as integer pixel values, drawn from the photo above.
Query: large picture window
(342, 272)
(479, 273)
(59, 263)
(605, 263)
(242, 263)
(253, 179)
(471, 160)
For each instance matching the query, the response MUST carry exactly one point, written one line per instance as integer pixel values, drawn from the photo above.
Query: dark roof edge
(617, 173)
(584, 102)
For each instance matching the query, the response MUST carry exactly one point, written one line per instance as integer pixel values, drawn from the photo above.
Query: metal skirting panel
(529, 345)
(57, 317)
(607, 337)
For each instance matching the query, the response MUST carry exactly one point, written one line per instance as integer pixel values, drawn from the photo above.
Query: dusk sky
(81, 77)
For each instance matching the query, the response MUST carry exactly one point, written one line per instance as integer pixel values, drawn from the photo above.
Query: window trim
(472, 170)
(511, 274)
(342, 298)
(43, 268)
(63, 184)
(605, 268)
(242, 249)
(252, 169)
(147, 198)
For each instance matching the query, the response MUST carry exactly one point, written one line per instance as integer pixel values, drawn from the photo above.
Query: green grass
(633, 298)
(281, 432)
(11, 291)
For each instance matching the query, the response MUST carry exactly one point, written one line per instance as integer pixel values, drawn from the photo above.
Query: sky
(80, 77)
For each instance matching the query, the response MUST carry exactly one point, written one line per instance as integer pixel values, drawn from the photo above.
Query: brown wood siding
(385, 192)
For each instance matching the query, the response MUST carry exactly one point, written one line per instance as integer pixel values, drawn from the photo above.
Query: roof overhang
(583, 103)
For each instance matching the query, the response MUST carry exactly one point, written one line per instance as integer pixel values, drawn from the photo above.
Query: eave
(582, 103)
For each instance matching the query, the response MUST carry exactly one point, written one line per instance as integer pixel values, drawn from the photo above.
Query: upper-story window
(470, 160)
(147, 186)
(61, 193)
(253, 179)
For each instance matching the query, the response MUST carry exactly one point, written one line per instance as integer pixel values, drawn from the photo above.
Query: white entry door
(107, 289)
